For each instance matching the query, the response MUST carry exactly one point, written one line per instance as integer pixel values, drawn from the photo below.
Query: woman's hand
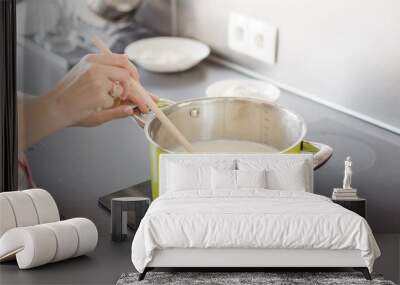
(83, 97)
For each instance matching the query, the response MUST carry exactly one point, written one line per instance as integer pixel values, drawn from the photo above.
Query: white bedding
(251, 218)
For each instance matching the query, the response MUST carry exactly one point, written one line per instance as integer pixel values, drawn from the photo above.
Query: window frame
(8, 97)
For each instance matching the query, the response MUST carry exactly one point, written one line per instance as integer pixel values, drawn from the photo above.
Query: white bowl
(167, 54)
(244, 88)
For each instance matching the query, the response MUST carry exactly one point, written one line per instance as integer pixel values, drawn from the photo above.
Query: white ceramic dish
(167, 54)
(244, 88)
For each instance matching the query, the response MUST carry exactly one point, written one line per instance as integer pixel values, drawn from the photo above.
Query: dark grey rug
(268, 278)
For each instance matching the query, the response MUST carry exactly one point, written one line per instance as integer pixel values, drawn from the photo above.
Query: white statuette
(347, 173)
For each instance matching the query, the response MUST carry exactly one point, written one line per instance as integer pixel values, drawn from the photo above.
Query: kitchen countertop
(110, 260)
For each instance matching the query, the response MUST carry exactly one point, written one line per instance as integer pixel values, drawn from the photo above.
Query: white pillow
(251, 178)
(236, 179)
(293, 179)
(281, 174)
(182, 177)
(223, 179)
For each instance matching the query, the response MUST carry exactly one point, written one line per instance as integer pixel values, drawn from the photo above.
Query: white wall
(343, 51)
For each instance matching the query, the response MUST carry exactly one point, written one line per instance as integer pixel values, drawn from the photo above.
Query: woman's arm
(82, 98)
(37, 119)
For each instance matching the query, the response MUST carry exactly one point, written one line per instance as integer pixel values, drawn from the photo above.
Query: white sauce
(236, 146)
(243, 90)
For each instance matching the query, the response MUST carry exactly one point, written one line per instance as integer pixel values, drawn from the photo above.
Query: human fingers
(112, 114)
(130, 90)
(116, 60)
(120, 77)
(141, 104)
(154, 97)
(107, 115)
(106, 100)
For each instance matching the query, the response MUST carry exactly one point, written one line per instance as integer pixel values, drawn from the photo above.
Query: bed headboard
(215, 159)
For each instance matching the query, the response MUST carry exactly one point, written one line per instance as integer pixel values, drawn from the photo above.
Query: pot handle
(322, 152)
(142, 118)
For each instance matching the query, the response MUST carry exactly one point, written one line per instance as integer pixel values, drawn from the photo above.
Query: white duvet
(250, 219)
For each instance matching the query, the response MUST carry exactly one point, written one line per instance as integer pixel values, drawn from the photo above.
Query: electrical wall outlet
(252, 37)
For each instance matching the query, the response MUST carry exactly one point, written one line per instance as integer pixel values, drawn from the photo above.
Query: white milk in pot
(236, 146)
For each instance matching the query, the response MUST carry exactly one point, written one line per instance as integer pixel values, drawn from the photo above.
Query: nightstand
(358, 206)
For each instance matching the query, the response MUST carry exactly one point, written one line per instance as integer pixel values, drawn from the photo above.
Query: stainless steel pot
(229, 118)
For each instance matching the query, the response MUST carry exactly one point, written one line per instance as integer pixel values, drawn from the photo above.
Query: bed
(247, 210)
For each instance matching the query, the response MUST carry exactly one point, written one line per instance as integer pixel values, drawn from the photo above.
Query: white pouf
(32, 233)
(7, 220)
(32, 246)
(87, 233)
(37, 245)
(45, 205)
(66, 237)
(26, 208)
(23, 208)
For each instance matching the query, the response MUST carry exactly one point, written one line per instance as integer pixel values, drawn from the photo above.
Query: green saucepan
(228, 118)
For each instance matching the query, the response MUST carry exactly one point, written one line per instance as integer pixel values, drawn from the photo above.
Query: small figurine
(347, 174)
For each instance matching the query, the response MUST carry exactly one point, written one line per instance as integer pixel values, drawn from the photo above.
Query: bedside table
(358, 206)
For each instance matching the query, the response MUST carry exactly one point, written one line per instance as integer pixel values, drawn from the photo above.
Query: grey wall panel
(30, 59)
(343, 52)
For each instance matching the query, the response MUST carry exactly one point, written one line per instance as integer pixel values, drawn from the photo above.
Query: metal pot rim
(171, 108)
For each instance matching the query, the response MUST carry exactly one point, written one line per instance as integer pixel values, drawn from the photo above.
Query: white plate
(167, 54)
(245, 88)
